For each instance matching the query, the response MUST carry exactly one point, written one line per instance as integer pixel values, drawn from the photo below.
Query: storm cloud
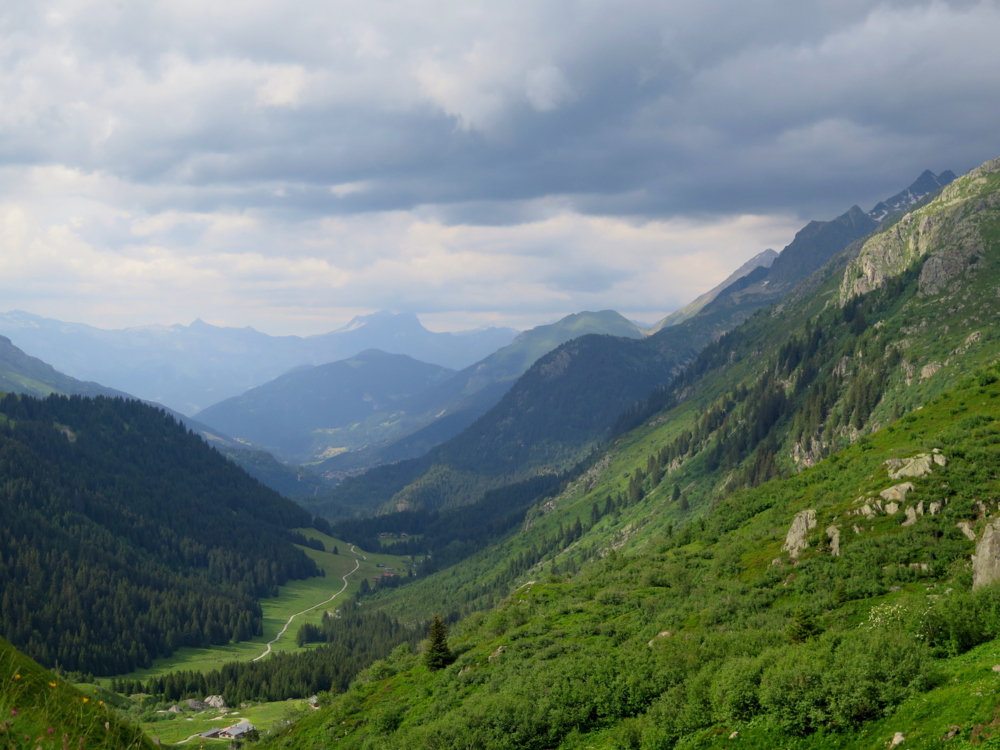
(288, 165)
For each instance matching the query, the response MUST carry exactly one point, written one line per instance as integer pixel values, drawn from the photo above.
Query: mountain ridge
(189, 367)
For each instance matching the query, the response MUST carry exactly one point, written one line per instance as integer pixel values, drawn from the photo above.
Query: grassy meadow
(292, 599)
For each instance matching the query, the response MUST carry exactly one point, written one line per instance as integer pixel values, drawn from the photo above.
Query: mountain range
(344, 416)
(566, 403)
(189, 368)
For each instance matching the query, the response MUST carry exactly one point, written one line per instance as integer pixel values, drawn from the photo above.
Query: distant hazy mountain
(764, 259)
(377, 407)
(21, 373)
(299, 414)
(444, 410)
(191, 367)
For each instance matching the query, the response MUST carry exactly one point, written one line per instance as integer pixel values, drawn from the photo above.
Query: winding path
(357, 564)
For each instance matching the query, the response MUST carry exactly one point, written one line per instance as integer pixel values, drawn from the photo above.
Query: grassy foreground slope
(40, 710)
(714, 629)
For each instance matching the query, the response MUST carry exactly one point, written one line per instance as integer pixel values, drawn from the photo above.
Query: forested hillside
(775, 549)
(125, 537)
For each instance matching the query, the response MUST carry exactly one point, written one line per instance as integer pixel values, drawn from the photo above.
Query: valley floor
(292, 600)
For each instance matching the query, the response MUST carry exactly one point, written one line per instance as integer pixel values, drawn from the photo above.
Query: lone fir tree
(438, 654)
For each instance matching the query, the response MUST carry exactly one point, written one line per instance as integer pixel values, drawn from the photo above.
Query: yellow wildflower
(100, 703)
(17, 677)
(52, 684)
(86, 699)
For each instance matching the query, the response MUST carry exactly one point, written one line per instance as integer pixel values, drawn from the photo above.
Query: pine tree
(802, 627)
(438, 654)
(335, 550)
(676, 494)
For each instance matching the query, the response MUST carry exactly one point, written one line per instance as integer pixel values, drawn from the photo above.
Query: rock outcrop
(919, 465)
(216, 701)
(897, 493)
(795, 540)
(834, 535)
(986, 561)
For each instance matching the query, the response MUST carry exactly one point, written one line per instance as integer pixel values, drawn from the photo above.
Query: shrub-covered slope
(125, 537)
(834, 638)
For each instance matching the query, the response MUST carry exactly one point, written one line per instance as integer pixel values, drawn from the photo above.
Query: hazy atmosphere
(474, 163)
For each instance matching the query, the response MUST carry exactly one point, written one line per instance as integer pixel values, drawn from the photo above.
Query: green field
(292, 599)
(178, 728)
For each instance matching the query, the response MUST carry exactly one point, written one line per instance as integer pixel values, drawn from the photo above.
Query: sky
(290, 165)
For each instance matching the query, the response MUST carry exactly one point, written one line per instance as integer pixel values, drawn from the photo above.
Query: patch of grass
(179, 727)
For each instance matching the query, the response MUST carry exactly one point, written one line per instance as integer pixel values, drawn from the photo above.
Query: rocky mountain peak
(925, 184)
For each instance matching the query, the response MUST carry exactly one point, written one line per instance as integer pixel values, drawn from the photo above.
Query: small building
(237, 731)
(211, 734)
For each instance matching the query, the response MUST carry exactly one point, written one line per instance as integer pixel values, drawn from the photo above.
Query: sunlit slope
(732, 623)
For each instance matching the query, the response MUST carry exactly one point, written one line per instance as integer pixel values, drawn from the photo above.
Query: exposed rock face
(196, 705)
(986, 561)
(935, 508)
(175, 709)
(216, 701)
(795, 540)
(919, 465)
(834, 534)
(911, 516)
(946, 230)
(966, 528)
(897, 492)
(929, 371)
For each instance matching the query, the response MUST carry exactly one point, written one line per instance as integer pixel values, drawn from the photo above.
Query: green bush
(735, 690)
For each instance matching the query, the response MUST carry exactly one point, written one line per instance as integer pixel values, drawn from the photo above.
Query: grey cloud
(649, 108)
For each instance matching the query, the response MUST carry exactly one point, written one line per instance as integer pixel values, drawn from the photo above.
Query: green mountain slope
(40, 710)
(680, 638)
(300, 414)
(777, 556)
(125, 536)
